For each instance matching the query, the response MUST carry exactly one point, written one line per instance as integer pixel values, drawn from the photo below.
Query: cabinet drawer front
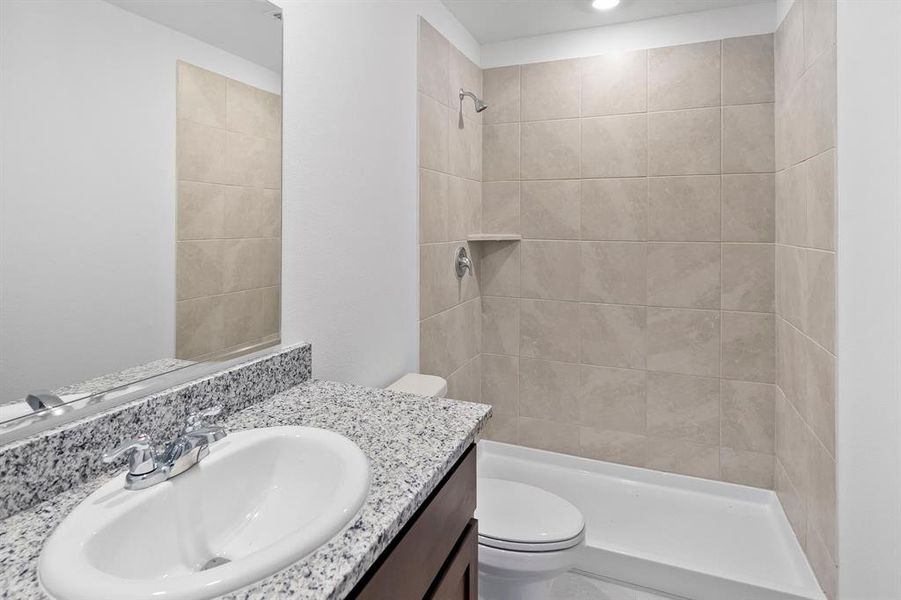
(411, 564)
(459, 580)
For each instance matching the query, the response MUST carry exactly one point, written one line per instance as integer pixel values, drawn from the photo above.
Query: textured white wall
(87, 187)
(350, 260)
(869, 300)
(650, 33)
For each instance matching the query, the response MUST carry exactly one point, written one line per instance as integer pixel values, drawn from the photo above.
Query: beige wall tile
(437, 280)
(788, 43)
(615, 83)
(500, 325)
(201, 210)
(687, 458)
(550, 90)
(250, 263)
(820, 299)
(502, 93)
(614, 446)
(201, 153)
(499, 269)
(615, 146)
(684, 341)
(684, 208)
(791, 205)
(748, 70)
(433, 134)
(820, 105)
(684, 76)
(819, 382)
(749, 208)
(685, 142)
(791, 366)
(749, 272)
(613, 335)
(252, 161)
(199, 268)
(549, 435)
(684, 275)
(749, 341)
(747, 416)
(791, 284)
(551, 209)
(684, 407)
(793, 503)
(463, 73)
(464, 207)
(550, 270)
(432, 206)
(549, 390)
(823, 565)
(464, 147)
(819, 28)
(821, 512)
(448, 340)
(200, 95)
(433, 62)
(502, 427)
(746, 468)
(614, 272)
(614, 209)
(549, 330)
(821, 201)
(500, 152)
(466, 382)
(500, 383)
(199, 326)
(501, 207)
(550, 149)
(253, 111)
(271, 213)
(613, 399)
(748, 139)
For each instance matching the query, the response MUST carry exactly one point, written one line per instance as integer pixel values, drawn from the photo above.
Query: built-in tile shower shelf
(493, 237)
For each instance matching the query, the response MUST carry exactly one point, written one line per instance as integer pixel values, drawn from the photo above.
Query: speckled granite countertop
(411, 444)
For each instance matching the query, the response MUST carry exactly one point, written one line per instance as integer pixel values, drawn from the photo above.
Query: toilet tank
(420, 385)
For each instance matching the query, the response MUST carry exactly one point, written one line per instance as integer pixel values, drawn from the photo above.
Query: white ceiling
(245, 28)
(498, 20)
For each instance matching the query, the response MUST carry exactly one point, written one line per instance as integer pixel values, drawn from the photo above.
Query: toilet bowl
(420, 385)
(527, 537)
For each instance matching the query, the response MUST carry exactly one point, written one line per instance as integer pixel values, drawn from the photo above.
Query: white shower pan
(683, 536)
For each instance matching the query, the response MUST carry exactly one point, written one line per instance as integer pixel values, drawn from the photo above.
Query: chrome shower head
(479, 103)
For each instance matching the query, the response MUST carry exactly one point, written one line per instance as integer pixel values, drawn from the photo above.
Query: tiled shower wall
(805, 280)
(634, 322)
(450, 208)
(228, 254)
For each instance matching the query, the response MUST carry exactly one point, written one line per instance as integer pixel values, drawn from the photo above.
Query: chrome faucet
(147, 466)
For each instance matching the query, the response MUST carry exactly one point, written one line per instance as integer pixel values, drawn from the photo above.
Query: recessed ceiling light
(605, 4)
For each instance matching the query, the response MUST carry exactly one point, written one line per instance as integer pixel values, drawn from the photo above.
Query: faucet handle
(141, 455)
(197, 420)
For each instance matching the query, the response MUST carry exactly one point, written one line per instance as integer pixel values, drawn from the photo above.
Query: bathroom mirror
(140, 197)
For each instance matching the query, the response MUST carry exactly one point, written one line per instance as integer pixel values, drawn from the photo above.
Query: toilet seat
(519, 517)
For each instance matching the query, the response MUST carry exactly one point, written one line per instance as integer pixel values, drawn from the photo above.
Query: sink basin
(262, 499)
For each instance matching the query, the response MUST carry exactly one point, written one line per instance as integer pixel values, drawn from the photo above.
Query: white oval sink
(261, 500)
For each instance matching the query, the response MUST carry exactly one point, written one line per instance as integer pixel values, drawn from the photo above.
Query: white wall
(350, 270)
(650, 33)
(87, 187)
(869, 300)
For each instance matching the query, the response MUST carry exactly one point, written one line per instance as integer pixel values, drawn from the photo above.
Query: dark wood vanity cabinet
(435, 556)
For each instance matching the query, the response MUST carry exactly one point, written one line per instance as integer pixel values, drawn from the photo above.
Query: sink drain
(216, 561)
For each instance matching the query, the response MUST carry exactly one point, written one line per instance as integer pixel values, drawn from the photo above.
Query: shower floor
(671, 534)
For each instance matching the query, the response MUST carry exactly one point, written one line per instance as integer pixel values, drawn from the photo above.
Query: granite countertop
(411, 444)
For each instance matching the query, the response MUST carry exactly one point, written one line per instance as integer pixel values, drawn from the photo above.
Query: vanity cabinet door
(459, 579)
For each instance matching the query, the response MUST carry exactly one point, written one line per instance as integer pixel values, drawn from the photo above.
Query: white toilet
(527, 537)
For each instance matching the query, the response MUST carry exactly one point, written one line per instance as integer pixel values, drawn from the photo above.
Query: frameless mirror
(140, 196)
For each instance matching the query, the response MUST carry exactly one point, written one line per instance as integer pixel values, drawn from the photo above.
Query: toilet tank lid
(517, 512)
(420, 385)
